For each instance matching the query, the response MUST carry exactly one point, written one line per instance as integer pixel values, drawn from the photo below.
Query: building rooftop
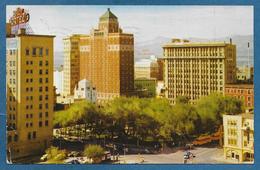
(186, 43)
(249, 115)
(144, 63)
(107, 15)
(239, 85)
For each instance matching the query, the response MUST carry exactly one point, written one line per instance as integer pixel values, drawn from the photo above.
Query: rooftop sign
(19, 20)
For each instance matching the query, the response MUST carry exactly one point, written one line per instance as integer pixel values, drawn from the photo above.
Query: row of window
(15, 138)
(46, 123)
(12, 116)
(12, 81)
(11, 52)
(40, 63)
(40, 106)
(40, 115)
(12, 63)
(241, 91)
(30, 89)
(12, 72)
(30, 80)
(31, 135)
(37, 51)
(232, 141)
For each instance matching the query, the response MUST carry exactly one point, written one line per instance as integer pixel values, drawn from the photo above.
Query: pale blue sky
(145, 22)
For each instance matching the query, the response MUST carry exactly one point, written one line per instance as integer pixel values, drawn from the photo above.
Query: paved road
(203, 156)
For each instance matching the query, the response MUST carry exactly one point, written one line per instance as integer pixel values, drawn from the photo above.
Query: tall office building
(71, 63)
(29, 82)
(198, 69)
(107, 59)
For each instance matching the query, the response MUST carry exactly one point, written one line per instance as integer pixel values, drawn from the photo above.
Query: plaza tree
(211, 108)
(94, 152)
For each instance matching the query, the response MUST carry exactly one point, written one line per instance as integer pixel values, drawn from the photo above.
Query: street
(203, 156)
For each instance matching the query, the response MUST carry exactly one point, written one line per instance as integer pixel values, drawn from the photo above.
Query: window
(46, 63)
(40, 115)
(46, 97)
(15, 138)
(40, 97)
(40, 80)
(29, 136)
(40, 124)
(40, 106)
(46, 88)
(40, 52)
(46, 80)
(47, 71)
(47, 52)
(40, 89)
(40, 63)
(27, 52)
(40, 71)
(34, 135)
(46, 114)
(34, 52)
(9, 139)
(46, 123)
(46, 105)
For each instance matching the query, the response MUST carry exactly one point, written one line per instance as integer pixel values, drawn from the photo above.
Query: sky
(145, 22)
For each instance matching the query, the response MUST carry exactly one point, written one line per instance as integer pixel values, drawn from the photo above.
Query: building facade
(30, 94)
(84, 90)
(71, 63)
(160, 63)
(244, 92)
(197, 69)
(245, 74)
(146, 68)
(239, 137)
(107, 59)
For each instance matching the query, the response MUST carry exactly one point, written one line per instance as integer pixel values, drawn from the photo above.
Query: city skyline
(178, 21)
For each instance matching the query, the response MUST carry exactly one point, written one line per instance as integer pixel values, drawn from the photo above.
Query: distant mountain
(154, 47)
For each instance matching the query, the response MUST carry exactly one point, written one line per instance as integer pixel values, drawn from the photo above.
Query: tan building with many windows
(29, 82)
(239, 137)
(197, 69)
(71, 63)
(105, 57)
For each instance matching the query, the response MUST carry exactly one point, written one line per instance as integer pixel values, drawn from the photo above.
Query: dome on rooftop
(108, 15)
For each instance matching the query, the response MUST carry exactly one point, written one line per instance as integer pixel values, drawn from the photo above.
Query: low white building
(84, 90)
